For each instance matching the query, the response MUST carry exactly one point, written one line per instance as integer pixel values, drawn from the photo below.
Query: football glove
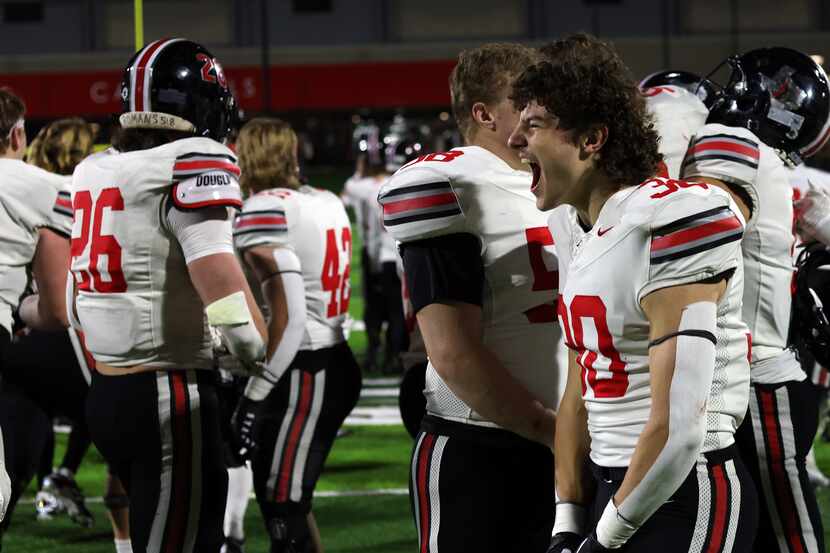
(244, 424)
(591, 545)
(564, 542)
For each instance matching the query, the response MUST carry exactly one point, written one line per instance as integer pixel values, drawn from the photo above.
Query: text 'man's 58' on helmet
(177, 84)
(782, 96)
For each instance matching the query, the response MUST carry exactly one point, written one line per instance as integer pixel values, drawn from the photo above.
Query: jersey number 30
(336, 281)
(102, 244)
(591, 307)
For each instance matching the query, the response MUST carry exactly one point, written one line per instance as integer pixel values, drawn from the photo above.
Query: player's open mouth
(537, 173)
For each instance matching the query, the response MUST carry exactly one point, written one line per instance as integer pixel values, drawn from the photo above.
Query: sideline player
(783, 96)
(359, 191)
(35, 219)
(677, 113)
(297, 241)
(649, 303)
(479, 267)
(155, 208)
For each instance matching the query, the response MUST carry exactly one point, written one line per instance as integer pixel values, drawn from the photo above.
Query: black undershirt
(444, 269)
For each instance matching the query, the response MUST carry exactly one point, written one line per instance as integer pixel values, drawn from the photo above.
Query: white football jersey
(678, 114)
(30, 199)
(470, 190)
(662, 233)
(737, 156)
(135, 300)
(361, 194)
(313, 223)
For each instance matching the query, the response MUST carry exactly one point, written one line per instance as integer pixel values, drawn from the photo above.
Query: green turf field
(368, 459)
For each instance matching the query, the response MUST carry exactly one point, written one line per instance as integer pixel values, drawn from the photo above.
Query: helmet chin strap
(155, 120)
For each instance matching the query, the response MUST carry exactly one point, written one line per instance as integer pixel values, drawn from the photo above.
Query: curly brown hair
(484, 74)
(585, 84)
(62, 145)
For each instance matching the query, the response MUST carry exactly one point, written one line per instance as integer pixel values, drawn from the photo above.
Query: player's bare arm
(572, 442)
(574, 486)
(680, 380)
(452, 334)
(47, 309)
(741, 199)
(219, 275)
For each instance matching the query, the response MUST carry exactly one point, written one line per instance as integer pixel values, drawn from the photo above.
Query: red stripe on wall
(371, 85)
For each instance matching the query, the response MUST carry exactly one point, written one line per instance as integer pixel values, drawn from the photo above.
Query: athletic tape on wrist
(570, 517)
(232, 318)
(613, 530)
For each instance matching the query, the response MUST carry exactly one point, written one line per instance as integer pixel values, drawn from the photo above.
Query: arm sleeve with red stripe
(265, 219)
(729, 154)
(421, 202)
(695, 236)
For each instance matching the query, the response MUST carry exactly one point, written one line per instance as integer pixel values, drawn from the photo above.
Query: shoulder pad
(195, 156)
(211, 188)
(420, 202)
(726, 153)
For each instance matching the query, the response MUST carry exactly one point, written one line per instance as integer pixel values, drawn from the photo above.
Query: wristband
(570, 517)
(612, 529)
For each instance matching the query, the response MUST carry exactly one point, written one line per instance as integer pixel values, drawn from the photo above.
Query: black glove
(564, 542)
(244, 424)
(592, 545)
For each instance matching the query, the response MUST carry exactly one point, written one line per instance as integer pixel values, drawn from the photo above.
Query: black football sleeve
(443, 269)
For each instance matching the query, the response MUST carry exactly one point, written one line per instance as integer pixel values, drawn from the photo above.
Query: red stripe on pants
(424, 457)
(182, 465)
(778, 474)
(300, 416)
(719, 522)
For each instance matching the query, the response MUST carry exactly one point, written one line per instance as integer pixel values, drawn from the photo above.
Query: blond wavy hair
(267, 150)
(63, 144)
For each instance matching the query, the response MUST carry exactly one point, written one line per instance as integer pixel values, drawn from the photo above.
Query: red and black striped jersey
(30, 199)
(314, 225)
(660, 234)
(738, 157)
(135, 300)
(472, 191)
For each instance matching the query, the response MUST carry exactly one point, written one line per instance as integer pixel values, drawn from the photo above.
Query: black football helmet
(692, 82)
(781, 95)
(177, 84)
(809, 326)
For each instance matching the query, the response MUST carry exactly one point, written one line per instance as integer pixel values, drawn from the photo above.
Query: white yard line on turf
(325, 494)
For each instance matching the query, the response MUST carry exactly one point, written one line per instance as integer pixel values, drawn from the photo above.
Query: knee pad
(289, 534)
(113, 502)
